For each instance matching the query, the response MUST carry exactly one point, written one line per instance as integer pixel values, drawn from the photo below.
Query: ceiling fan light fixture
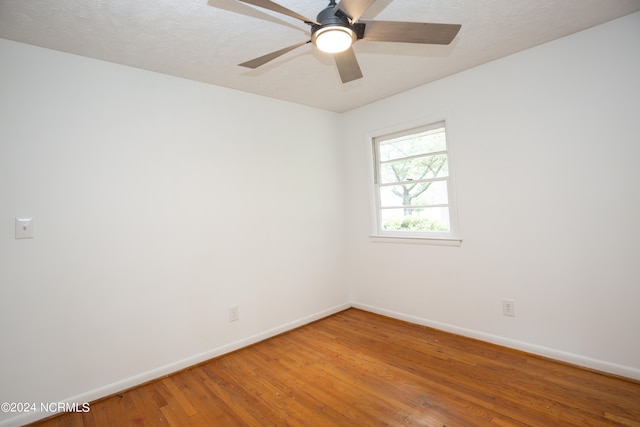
(334, 39)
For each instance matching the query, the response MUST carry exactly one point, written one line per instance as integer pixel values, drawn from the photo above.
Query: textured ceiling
(203, 40)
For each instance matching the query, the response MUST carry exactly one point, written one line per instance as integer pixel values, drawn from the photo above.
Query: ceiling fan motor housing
(331, 17)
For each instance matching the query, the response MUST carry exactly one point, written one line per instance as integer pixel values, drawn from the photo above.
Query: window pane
(414, 169)
(412, 181)
(422, 193)
(428, 219)
(411, 145)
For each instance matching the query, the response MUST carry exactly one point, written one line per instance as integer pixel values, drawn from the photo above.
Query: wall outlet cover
(509, 307)
(234, 313)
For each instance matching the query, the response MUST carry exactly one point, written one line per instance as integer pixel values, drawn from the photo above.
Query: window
(413, 187)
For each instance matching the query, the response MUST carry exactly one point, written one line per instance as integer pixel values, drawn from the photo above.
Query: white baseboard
(575, 359)
(147, 376)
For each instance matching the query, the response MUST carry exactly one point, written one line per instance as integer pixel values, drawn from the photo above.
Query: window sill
(413, 240)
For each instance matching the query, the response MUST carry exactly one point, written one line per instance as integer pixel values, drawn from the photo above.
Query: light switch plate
(24, 228)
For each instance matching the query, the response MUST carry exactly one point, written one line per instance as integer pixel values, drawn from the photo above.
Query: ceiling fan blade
(354, 8)
(267, 4)
(410, 32)
(257, 62)
(347, 65)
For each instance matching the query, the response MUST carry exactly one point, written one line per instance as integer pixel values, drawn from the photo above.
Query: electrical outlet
(234, 313)
(509, 307)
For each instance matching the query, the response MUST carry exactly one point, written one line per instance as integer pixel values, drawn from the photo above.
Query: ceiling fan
(337, 27)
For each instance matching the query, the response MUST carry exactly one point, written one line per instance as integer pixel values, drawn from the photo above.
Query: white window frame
(450, 238)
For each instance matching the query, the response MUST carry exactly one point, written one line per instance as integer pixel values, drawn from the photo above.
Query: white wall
(546, 148)
(158, 203)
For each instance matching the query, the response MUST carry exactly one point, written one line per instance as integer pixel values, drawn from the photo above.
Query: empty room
(319, 213)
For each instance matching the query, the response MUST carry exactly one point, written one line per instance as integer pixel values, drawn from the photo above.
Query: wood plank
(357, 368)
(177, 394)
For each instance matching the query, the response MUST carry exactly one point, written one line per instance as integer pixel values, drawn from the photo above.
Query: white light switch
(24, 228)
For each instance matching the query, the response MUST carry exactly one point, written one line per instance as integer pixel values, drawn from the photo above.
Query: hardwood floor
(360, 369)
